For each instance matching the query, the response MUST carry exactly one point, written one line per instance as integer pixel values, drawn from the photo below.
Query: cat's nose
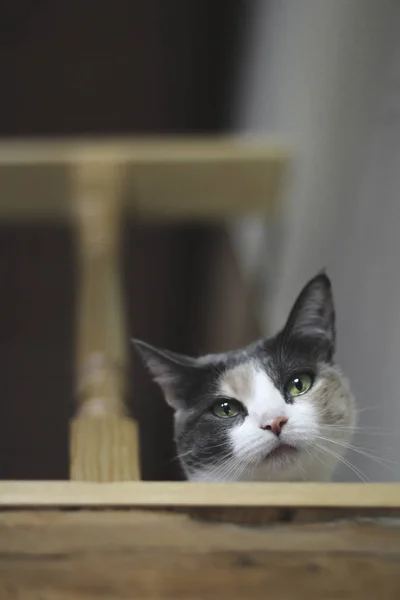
(275, 425)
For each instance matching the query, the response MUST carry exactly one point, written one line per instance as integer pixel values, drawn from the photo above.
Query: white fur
(252, 444)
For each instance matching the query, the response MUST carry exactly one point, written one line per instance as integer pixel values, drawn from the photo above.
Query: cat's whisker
(382, 461)
(357, 428)
(242, 466)
(317, 456)
(182, 455)
(223, 471)
(194, 462)
(341, 458)
(346, 444)
(232, 470)
(365, 408)
(218, 460)
(191, 451)
(360, 433)
(251, 462)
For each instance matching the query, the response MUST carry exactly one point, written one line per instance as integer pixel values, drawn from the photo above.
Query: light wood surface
(101, 344)
(166, 178)
(149, 555)
(181, 494)
(104, 449)
(104, 440)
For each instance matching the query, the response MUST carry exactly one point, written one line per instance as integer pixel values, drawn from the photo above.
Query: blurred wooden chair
(92, 184)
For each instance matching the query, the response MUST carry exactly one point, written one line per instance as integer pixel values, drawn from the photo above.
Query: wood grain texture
(167, 178)
(141, 555)
(104, 449)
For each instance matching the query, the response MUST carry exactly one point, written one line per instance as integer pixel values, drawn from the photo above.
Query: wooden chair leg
(103, 438)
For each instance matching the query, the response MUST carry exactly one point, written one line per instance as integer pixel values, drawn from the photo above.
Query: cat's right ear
(169, 369)
(313, 316)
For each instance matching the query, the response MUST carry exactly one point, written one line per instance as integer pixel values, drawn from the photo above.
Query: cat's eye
(300, 384)
(226, 408)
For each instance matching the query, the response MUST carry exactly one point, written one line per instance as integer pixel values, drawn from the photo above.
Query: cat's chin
(282, 451)
(281, 458)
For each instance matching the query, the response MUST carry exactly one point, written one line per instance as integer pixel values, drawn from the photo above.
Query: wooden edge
(168, 179)
(16, 494)
(168, 530)
(85, 555)
(139, 150)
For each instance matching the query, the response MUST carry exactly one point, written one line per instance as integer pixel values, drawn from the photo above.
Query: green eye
(226, 408)
(300, 384)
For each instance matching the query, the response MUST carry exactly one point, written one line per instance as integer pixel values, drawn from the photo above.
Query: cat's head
(279, 409)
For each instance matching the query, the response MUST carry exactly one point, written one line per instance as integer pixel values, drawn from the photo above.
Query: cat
(277, 410)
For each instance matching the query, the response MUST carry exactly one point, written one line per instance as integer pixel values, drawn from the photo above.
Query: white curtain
(325, 74)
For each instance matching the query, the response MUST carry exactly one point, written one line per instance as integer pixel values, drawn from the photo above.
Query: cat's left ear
(313, 315)
(170, 370)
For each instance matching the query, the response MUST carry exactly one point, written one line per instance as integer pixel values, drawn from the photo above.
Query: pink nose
(276, 425)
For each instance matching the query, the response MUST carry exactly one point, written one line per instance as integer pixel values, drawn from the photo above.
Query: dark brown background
(111, 67)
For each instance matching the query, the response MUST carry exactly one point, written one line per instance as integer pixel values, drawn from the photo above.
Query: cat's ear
(313, 314)
(170, 370)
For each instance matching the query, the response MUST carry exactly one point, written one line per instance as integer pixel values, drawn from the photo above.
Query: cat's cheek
(303, 423)
(333, 398)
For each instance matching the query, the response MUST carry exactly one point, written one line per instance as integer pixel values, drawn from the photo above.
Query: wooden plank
(139, 150)
(178, 178)
(184, 494)
(104, 439)
(123, 555)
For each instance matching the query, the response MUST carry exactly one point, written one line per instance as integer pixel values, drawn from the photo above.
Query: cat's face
(278, 410)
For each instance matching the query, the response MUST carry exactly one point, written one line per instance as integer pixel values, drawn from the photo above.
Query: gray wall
(323, 74)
